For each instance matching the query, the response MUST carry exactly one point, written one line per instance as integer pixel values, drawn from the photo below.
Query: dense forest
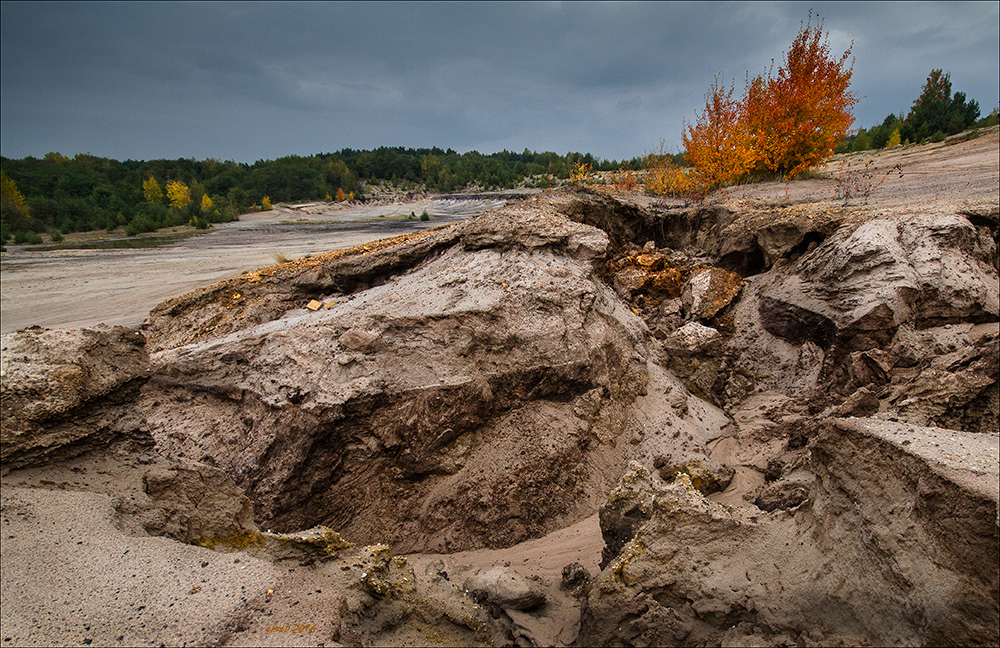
(58, 195)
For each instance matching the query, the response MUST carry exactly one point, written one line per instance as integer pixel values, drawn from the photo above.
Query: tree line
(57, 194)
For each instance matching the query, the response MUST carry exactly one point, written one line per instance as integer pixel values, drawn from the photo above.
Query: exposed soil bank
(576, 420)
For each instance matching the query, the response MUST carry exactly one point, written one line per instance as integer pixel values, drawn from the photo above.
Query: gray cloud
(260, 80)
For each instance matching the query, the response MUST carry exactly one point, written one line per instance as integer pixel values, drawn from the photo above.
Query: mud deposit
(577, 419)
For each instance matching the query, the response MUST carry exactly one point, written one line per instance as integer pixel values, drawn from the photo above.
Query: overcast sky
(146, 80)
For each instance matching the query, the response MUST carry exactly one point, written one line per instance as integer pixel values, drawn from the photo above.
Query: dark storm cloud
(258, 80)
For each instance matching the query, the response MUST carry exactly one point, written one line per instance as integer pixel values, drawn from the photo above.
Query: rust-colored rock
(650, 262)
(632, 281)
(709, 291)
(667, 281)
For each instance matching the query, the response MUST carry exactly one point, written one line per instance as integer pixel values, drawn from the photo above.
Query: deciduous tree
(178, 193)
(14, 213)
(151, 191)
(717, 144)
(797, 118)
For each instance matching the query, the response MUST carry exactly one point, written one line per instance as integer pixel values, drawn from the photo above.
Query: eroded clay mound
(60, 391)
(896, 543)
(476, 400)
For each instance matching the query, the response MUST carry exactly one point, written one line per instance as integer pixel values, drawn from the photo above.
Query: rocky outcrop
(877, 306)
(62, 391)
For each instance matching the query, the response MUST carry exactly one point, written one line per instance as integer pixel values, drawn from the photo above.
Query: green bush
(991, 119)
(861, 142)
(56, 236)
(425, 216)
(22, 237)
(140, 224)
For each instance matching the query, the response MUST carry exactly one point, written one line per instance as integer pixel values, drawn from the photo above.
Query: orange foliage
(785, 123)
(664, 178)
(718, 144)
(624, 180)
(797, 118)
(341, 197)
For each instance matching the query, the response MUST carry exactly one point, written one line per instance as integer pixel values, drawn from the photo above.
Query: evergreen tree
(936, 113)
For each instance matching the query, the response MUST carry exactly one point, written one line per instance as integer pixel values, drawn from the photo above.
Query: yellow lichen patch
(319, 537)
(385, 576)
(685, 480)
(636, 473)
(619, 569)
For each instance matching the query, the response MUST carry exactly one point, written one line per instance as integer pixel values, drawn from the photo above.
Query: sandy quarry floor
(78, 288)
(87, 566)
(105, 594)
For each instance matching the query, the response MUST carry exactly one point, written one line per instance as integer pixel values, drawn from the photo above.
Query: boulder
(709, 291)
(861, 403)
(706, 476)
(505, 588)
(574, 576)
(197, 504)
(692, 339)
(785, 493)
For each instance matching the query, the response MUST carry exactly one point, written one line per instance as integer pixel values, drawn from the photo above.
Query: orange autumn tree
(784, 123)
(717, 145)
(797, 118)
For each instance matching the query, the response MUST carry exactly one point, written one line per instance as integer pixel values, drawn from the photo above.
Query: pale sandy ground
(951, 170)
(79, 288)
(70, 576)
